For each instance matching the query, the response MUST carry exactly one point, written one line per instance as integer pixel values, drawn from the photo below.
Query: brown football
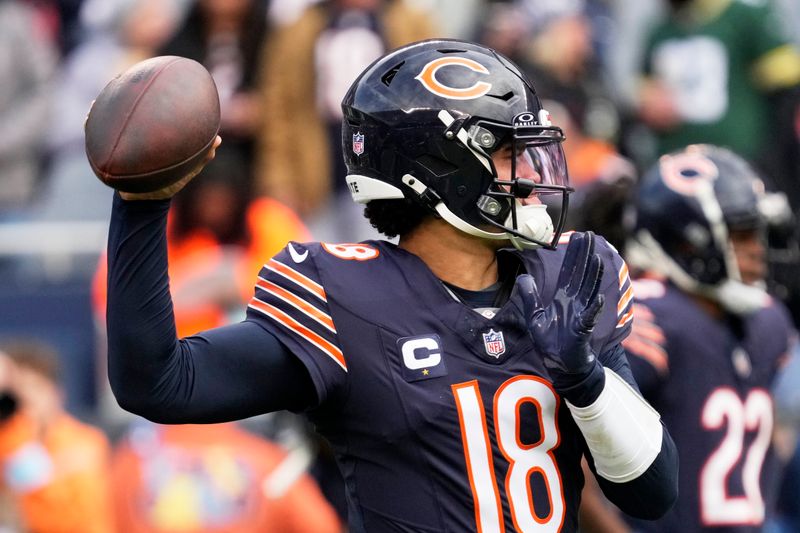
(152, 124)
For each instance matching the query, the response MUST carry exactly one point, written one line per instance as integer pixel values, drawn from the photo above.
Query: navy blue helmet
(686, 206)
(422, 123)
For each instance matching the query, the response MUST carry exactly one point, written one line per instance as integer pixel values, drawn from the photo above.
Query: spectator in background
(553, 42)
(55, 467)
(227, 37)
(602, 178)
(457, 19)
(213, 479)
(27, 59)
(712, 72)
(118, 33)
(301, 161)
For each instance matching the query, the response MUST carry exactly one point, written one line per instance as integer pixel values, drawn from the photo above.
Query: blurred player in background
(459, 376)
(708, 340)
(55, 468)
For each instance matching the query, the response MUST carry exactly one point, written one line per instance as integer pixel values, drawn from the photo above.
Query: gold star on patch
(426, 372)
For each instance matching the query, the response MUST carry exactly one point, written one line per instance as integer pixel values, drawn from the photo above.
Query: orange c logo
(428, 79)
(684, 172)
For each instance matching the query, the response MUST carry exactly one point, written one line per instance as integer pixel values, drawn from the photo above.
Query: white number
(716, 506)
(524, 458)
(359, 252)
(696, 71)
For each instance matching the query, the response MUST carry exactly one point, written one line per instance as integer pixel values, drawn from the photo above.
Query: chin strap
(423, 191)
(533, 220)
(734, 296)
(738, 298)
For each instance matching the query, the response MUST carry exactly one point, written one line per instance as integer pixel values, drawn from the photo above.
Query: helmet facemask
(518, 205)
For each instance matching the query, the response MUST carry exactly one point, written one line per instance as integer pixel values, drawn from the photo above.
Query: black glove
(562, 331)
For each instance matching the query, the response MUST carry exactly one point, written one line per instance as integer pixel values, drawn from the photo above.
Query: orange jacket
(209, 478)
(60, 478)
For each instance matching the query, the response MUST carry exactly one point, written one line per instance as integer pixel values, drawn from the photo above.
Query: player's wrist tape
(621, 429)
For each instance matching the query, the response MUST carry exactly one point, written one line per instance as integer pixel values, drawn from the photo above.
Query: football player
(708, 340)
(461, 375)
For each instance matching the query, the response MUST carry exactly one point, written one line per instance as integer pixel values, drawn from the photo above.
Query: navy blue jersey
(441, 419)
(710, 379)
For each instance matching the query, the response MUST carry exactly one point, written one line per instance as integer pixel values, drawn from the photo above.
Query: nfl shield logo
(494, 343)
(358, 143)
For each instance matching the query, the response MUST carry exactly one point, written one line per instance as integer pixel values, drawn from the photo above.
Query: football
(152, 124)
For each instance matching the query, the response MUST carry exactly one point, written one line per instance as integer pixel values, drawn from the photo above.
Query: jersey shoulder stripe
(299, 329)
(625, 308)
(290, 296)
(296, 302)
(617, 315)
(647, 340)
(297, 278)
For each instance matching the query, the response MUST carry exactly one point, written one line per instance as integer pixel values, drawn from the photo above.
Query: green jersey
(708, 67)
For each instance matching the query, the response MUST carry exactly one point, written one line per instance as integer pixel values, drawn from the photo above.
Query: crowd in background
(281, 68)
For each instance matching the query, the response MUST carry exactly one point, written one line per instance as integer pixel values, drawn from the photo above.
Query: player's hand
(563, 329)
(172, 190)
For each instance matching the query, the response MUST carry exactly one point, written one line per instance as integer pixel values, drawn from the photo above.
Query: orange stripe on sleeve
(623, 274)
(624, 319)
(291, 274)
(291, 324)
(626, 298)
(655, 355)
(297, 302)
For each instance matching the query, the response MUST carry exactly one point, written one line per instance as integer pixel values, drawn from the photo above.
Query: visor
(538, 176)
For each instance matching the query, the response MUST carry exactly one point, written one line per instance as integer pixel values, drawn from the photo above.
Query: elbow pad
(622, 430)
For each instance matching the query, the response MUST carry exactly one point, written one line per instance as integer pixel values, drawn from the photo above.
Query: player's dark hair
(395, 217)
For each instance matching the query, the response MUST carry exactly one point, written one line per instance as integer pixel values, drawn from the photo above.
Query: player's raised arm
(222, 374)
(148, 134)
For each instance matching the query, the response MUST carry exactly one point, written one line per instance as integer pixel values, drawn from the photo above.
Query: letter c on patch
(428, 79)
(427, 346)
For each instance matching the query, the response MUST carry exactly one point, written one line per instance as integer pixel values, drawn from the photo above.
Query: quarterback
(460, 375)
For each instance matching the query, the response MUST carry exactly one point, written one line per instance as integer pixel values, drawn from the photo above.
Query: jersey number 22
(717, 507)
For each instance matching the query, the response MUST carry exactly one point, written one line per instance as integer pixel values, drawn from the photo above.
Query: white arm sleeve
(622, 430)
